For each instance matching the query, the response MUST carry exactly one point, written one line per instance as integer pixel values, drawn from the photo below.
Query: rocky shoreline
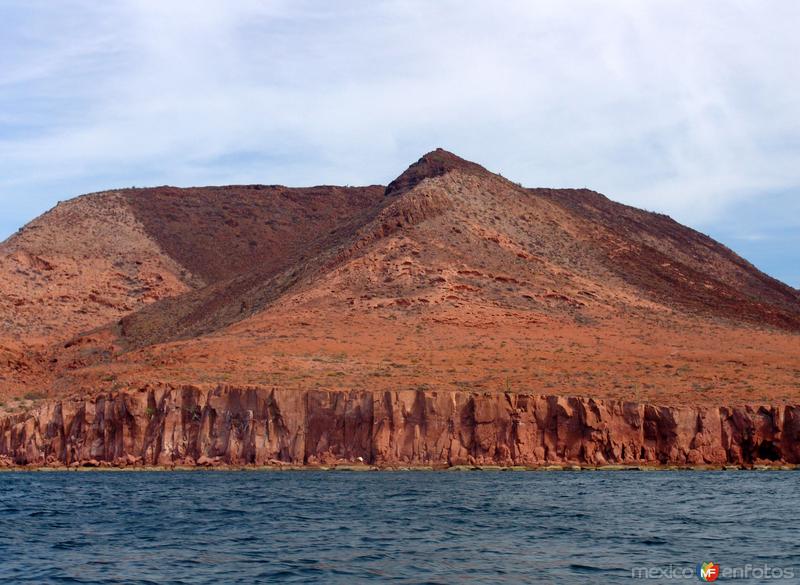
(215, 466)
(227, 427)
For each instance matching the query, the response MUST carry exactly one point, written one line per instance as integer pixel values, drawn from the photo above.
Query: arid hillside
(451, 278)
(99, 257)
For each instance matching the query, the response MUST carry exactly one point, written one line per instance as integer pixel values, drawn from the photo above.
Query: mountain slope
(454, 230)
(220, 232)
(450, 277)
(84, 263)
(99, 257)
(671, 261)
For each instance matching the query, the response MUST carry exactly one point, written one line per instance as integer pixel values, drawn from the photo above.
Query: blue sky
(688, 108)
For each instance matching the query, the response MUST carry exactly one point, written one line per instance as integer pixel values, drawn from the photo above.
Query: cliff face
(189, 425)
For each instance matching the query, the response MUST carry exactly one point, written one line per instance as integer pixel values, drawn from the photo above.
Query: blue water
(407, 527)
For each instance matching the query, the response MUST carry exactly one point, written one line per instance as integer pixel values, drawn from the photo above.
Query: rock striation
(190, 425)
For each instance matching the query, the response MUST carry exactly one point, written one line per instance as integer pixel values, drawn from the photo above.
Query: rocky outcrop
(189, 425)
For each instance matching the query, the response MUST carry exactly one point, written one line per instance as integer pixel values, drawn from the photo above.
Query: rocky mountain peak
(433, 164)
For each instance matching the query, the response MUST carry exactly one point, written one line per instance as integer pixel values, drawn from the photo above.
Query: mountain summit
(449, 277)
(434, 164)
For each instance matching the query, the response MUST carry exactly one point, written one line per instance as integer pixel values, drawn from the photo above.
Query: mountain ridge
(452, 273)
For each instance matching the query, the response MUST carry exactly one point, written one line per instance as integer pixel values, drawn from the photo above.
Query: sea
(197, 527)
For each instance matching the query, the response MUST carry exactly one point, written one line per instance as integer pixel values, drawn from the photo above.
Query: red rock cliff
(259, 426)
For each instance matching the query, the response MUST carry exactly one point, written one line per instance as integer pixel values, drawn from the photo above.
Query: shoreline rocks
(173, 427)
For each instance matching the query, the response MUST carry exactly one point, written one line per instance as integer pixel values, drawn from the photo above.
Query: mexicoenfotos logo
(708, 571)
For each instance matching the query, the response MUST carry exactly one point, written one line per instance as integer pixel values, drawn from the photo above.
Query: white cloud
(684, 107)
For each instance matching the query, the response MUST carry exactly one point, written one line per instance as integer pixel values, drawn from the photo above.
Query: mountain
(449, 278)
(99, 257)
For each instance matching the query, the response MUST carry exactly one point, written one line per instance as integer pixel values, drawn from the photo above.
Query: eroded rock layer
(259, 426)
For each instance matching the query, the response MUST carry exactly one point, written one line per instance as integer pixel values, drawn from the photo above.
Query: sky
(690, 108)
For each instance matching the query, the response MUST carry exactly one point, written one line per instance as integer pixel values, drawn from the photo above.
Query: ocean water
(402, 527)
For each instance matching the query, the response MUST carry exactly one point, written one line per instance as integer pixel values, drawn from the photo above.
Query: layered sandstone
(258, 426)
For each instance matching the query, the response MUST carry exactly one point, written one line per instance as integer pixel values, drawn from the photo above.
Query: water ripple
(415, 527)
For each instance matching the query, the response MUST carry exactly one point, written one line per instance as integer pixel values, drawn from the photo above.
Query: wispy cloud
(691, 108)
